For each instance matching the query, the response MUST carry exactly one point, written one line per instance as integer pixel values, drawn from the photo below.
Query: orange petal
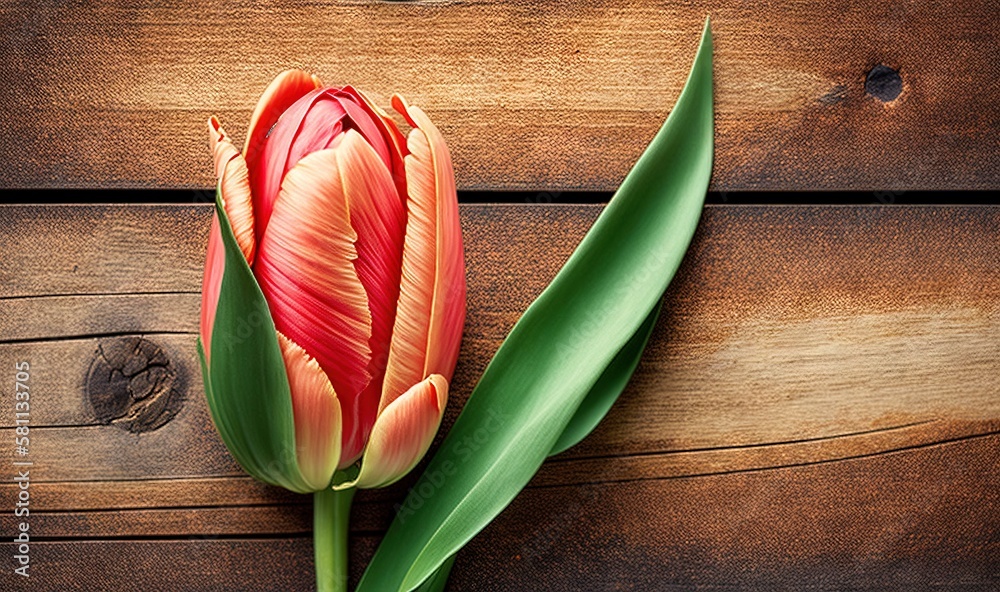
(211, 285)
(391, 135)
(306, 269)
(377, 216)
(317, 415)
(402, 434)
(431, 309)
(234, 184)
(316, 121)
(285, 89)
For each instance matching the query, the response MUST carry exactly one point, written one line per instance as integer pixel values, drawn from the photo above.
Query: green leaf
(437, 581)
(592, 410)
(245, 383)
(560, 348)
(608, 387)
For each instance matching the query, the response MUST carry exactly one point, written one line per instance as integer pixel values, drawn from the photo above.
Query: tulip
(350, 236)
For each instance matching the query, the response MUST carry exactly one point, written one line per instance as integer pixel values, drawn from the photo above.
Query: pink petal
(317, 415)
(377, 216)
(431, 309)
(394, 140)
(234, 185)
(316, 122)
(306, 269)
(362, 121)
(272, 153)
(402, 434)
(285, 89)
(322, 126)
(211, 285)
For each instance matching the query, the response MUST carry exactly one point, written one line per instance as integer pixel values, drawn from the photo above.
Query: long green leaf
(560, 347)
(437, 581)
(592, 410)
(608, 387)
(245, 383)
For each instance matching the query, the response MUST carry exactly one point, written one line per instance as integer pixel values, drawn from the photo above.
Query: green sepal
(246, 383)
(560, 348)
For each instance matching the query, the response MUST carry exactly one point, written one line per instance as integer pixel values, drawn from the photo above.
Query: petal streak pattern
(317, 415)
(285, 89)
(431, 309)
(403, 433)
(306, 270)
(234, 184)
(377, 216)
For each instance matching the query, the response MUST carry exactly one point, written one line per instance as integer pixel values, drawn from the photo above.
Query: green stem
(331, 513)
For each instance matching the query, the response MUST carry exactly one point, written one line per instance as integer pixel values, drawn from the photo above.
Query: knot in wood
(132, 384)
(883, 83)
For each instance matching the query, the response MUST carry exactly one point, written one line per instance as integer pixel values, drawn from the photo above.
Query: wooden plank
(139, 250)
(530, 96)
(817, 408)
(31, 319)
(199, 564)
(893, 522)
(923, 527)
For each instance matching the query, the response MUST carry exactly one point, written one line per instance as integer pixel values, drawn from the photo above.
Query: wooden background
(818, 409)
(556, 95)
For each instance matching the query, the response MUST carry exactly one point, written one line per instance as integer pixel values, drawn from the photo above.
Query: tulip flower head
(351, 233)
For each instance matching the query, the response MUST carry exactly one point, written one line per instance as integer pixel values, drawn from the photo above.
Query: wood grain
(553, 96)
(817, 409)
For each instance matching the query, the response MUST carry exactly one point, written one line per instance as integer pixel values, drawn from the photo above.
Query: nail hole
(883, 83)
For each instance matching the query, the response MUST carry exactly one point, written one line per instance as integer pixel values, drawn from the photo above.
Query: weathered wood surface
(530, 95)
(818, 409)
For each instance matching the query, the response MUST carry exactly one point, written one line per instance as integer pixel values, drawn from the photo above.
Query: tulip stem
(331, 513)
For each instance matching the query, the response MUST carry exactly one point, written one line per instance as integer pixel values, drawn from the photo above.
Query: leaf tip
(706, 33)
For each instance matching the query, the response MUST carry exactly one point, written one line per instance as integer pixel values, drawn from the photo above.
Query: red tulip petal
(402, 434)
(273, 152)
(377, 216)
(285, 89)
(321, 126)
(317, 415)
(234, 184)
(391, 135)
(316, 122)
(211, 285)
(306, 269)
(431, 309)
